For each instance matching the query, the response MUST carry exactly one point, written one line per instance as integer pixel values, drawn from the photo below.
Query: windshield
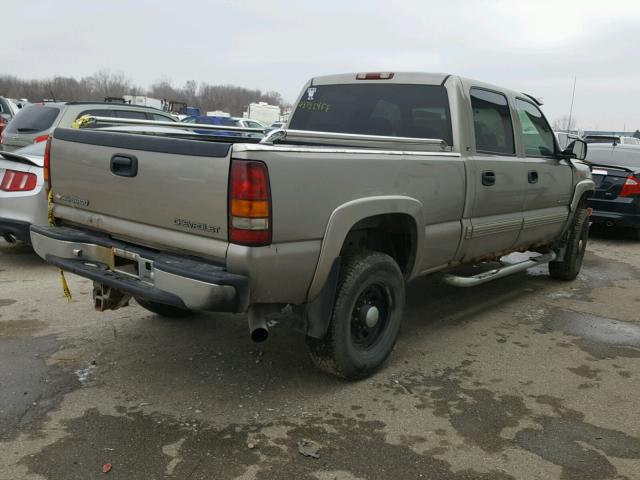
(33, 119)
(398, 110)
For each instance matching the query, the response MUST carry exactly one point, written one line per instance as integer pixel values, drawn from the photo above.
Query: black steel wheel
(366, 317)
(370, 316)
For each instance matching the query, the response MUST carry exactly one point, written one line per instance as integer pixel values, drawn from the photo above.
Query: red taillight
(374, 76)
(631, 186)
(46, 170)
(249, 203)
(41, 138)
(14, 181)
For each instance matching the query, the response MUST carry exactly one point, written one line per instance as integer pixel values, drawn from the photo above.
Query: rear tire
(164, 310)
(576, 246)
(366, 317)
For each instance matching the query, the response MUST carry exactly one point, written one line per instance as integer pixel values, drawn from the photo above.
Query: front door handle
(488, 178)
(532, 176)
(124, 165)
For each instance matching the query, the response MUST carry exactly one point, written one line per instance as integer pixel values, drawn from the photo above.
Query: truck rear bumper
(144, 273)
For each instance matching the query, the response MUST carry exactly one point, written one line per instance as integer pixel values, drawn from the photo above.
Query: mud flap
(317, 312)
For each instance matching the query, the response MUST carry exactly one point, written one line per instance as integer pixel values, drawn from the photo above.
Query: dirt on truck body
(376, 179)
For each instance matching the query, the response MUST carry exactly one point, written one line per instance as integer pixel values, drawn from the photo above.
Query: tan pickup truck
(376, 179)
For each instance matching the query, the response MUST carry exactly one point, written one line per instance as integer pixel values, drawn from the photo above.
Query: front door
(549, 179)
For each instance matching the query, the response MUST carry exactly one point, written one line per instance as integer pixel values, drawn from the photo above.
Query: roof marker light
(375, 76)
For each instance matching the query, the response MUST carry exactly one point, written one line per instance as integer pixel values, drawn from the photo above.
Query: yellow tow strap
(81, 122)
(51, 218)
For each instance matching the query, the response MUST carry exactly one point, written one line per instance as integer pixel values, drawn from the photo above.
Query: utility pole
(573, 95)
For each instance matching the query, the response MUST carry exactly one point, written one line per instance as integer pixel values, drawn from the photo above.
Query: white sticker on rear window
(595, 171)
(311, 91)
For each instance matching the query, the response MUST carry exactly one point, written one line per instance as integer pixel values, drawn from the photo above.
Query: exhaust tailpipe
(609, 223)
(257, 325)
(10, 238)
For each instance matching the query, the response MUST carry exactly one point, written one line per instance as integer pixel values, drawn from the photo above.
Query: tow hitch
(108, 298)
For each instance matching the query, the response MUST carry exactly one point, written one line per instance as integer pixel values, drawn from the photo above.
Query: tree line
(104, 83)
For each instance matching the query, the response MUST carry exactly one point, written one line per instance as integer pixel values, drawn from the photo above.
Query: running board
(496, 273)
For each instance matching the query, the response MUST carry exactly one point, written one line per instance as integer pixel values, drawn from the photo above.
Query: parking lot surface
(521, 378)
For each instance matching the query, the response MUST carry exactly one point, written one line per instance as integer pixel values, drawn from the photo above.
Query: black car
(616, 172)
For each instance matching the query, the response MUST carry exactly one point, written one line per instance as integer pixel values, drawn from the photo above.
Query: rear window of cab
(395, 110)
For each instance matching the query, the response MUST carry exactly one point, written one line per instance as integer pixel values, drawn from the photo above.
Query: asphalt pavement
(521, 378)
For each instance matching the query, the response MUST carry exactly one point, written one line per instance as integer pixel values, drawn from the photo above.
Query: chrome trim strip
(312, 134)
(545, 220)
(494, 228)
(187, 126)
(260, 147)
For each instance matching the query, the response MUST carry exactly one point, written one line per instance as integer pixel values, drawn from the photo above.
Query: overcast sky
(534, 46)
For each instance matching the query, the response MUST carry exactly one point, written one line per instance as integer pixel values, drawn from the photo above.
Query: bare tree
(108, 84)
(564, 123)
(104, 83)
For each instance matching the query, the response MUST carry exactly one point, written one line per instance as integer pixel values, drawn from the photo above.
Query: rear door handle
(532, 176)
(124, 165)
(488, 178)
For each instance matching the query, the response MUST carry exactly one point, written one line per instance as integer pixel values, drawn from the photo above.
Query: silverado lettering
(181, 222)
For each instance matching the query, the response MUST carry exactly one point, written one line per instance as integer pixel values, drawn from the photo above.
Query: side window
(96, 113)
(492, 122)
(254, 125)
(159, 118)
(536, 132)
(130, 114)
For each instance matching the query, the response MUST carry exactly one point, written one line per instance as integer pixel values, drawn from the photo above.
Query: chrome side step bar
(484, 277)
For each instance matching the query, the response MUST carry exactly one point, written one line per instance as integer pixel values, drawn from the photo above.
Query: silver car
(23, 197)
(35, 122)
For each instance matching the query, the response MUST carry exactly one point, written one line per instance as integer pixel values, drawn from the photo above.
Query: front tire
(576, 245)
(366, 317)
(163, 309)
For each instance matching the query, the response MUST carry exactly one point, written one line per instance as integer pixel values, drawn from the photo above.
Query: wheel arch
(357, 213)
(582, 191)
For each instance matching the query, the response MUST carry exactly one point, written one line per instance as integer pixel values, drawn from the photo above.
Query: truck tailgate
(173, 184)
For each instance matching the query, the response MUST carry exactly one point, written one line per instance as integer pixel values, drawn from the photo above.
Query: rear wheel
(366, 317)
(576, 245)
(164, 310)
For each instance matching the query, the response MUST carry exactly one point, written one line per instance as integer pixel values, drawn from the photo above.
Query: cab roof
(420, 78)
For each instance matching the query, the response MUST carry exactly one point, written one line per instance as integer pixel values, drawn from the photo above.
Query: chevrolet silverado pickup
(377, 178)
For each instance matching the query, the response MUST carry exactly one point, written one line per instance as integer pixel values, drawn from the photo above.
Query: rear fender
(346, 216)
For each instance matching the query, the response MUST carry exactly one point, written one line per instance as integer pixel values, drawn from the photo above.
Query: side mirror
(576, 149)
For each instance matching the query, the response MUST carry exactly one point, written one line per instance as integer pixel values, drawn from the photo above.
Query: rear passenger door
(496, 175)
(549, 179)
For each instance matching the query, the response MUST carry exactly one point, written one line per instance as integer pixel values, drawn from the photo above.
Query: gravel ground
(522, 378)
